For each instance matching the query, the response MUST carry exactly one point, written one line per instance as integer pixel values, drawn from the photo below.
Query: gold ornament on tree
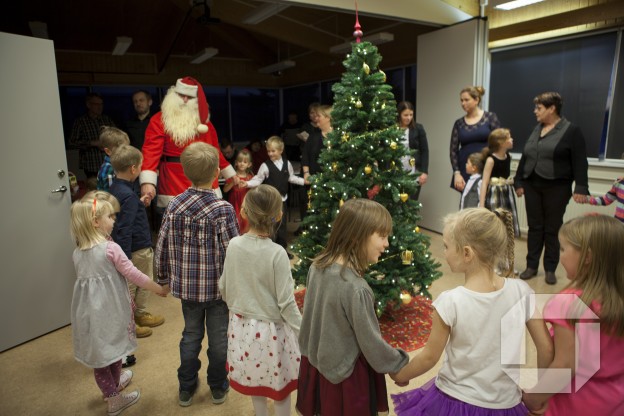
(412, 162)
(393, 165)
(384, 75)
(341, 203)
(404, 197)
(417, 229)
(345, 137)
(406, 298)
(393, 145)
(358, 104)
(334, 167)
(366, 68)
(368, 169)
(407, 256)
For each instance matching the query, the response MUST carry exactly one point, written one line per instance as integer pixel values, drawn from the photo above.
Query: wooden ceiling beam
(586, 15)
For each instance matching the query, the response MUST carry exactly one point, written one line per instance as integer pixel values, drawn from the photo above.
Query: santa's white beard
(180, 119)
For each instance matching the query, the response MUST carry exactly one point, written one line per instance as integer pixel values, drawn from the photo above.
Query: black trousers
(546, 203)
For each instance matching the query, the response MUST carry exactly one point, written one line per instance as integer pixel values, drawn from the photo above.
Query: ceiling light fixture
(510, 5)
(204, 55)
(264, 12)
(375, 39)
(39, 29)
(276, 67)
(122, 45)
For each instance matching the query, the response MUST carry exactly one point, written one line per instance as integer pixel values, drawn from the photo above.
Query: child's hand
(535, 408)
(397, 381)
(164, 291)
(146, 200)
(242, 184)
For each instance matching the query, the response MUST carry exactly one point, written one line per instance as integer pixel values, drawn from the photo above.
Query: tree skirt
(407, 327)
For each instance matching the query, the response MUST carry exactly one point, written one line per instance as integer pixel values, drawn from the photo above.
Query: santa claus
(184, 118)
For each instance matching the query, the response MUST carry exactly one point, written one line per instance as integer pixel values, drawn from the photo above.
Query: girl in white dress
(102, 320)
(263, 352)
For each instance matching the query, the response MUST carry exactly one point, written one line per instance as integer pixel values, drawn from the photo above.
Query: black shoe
(219, 395)
(551, 278)
(528, 273)
(129, 361)
(185, 398)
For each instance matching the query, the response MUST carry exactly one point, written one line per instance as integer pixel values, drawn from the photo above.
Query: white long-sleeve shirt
(263, 173)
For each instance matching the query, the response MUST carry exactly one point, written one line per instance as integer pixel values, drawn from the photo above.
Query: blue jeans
(215, 315)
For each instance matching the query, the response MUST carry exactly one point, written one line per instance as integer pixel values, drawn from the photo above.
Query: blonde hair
(262, 207)
(124, 157)
(104, 196)
(112, 137)
(200, 162)
(487, 232)
(357, 220)
(476, 92)
(275, 142)
(495, 140)
(84, 212)
(245, 156)
(325, 110)
(599, 240)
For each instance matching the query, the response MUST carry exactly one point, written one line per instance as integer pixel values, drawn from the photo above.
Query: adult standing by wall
(136, 126)
(554, 156)
(470, 133)
(184, 119)
(85, 134)
(415, 138)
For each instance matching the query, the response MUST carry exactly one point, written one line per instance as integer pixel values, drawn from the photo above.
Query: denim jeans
(215, 315)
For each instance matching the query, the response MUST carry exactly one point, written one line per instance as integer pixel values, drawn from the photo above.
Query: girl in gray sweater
(343, 356)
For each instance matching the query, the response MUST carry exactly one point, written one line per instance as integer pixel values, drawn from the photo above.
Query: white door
(37, 273)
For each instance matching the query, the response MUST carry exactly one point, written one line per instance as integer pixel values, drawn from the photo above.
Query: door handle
(61, 188)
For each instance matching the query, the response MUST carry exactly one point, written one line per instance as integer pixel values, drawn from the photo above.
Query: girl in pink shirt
(587, 324)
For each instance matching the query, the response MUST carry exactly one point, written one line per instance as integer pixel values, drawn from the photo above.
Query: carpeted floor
(41, 377)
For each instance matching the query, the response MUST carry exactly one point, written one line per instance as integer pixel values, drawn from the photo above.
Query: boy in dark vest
(277, 172)
(472, 190)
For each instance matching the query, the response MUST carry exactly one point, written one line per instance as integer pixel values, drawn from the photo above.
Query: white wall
(448, 60)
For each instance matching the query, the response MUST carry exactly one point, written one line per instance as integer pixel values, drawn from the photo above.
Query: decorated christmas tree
(363, 159)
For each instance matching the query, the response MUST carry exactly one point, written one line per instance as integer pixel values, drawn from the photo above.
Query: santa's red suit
(161, 155)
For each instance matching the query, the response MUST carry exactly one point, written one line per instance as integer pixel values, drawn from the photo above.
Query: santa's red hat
(191, 87)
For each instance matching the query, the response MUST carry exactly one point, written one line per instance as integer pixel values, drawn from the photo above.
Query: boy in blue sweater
(132, 231)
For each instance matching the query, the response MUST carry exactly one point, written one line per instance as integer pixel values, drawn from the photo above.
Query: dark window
(579, 69)
(255, 113)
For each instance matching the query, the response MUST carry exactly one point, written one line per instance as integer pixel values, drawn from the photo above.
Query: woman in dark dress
(470, 133)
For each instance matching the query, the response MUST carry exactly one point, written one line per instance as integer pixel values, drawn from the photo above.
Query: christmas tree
(363, 159)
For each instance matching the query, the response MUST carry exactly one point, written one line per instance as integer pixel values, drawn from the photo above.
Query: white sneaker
(124, 379)
(121, 402)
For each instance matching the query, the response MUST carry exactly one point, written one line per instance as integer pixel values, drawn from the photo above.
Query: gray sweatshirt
(339, 324)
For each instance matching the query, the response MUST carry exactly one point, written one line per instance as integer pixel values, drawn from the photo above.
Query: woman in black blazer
(416, 139)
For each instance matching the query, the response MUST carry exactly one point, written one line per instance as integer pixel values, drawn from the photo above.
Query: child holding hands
(263, 352)
(588, 324)
(101, 313)
(467, 325)
(343, 354)
(236, 193)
